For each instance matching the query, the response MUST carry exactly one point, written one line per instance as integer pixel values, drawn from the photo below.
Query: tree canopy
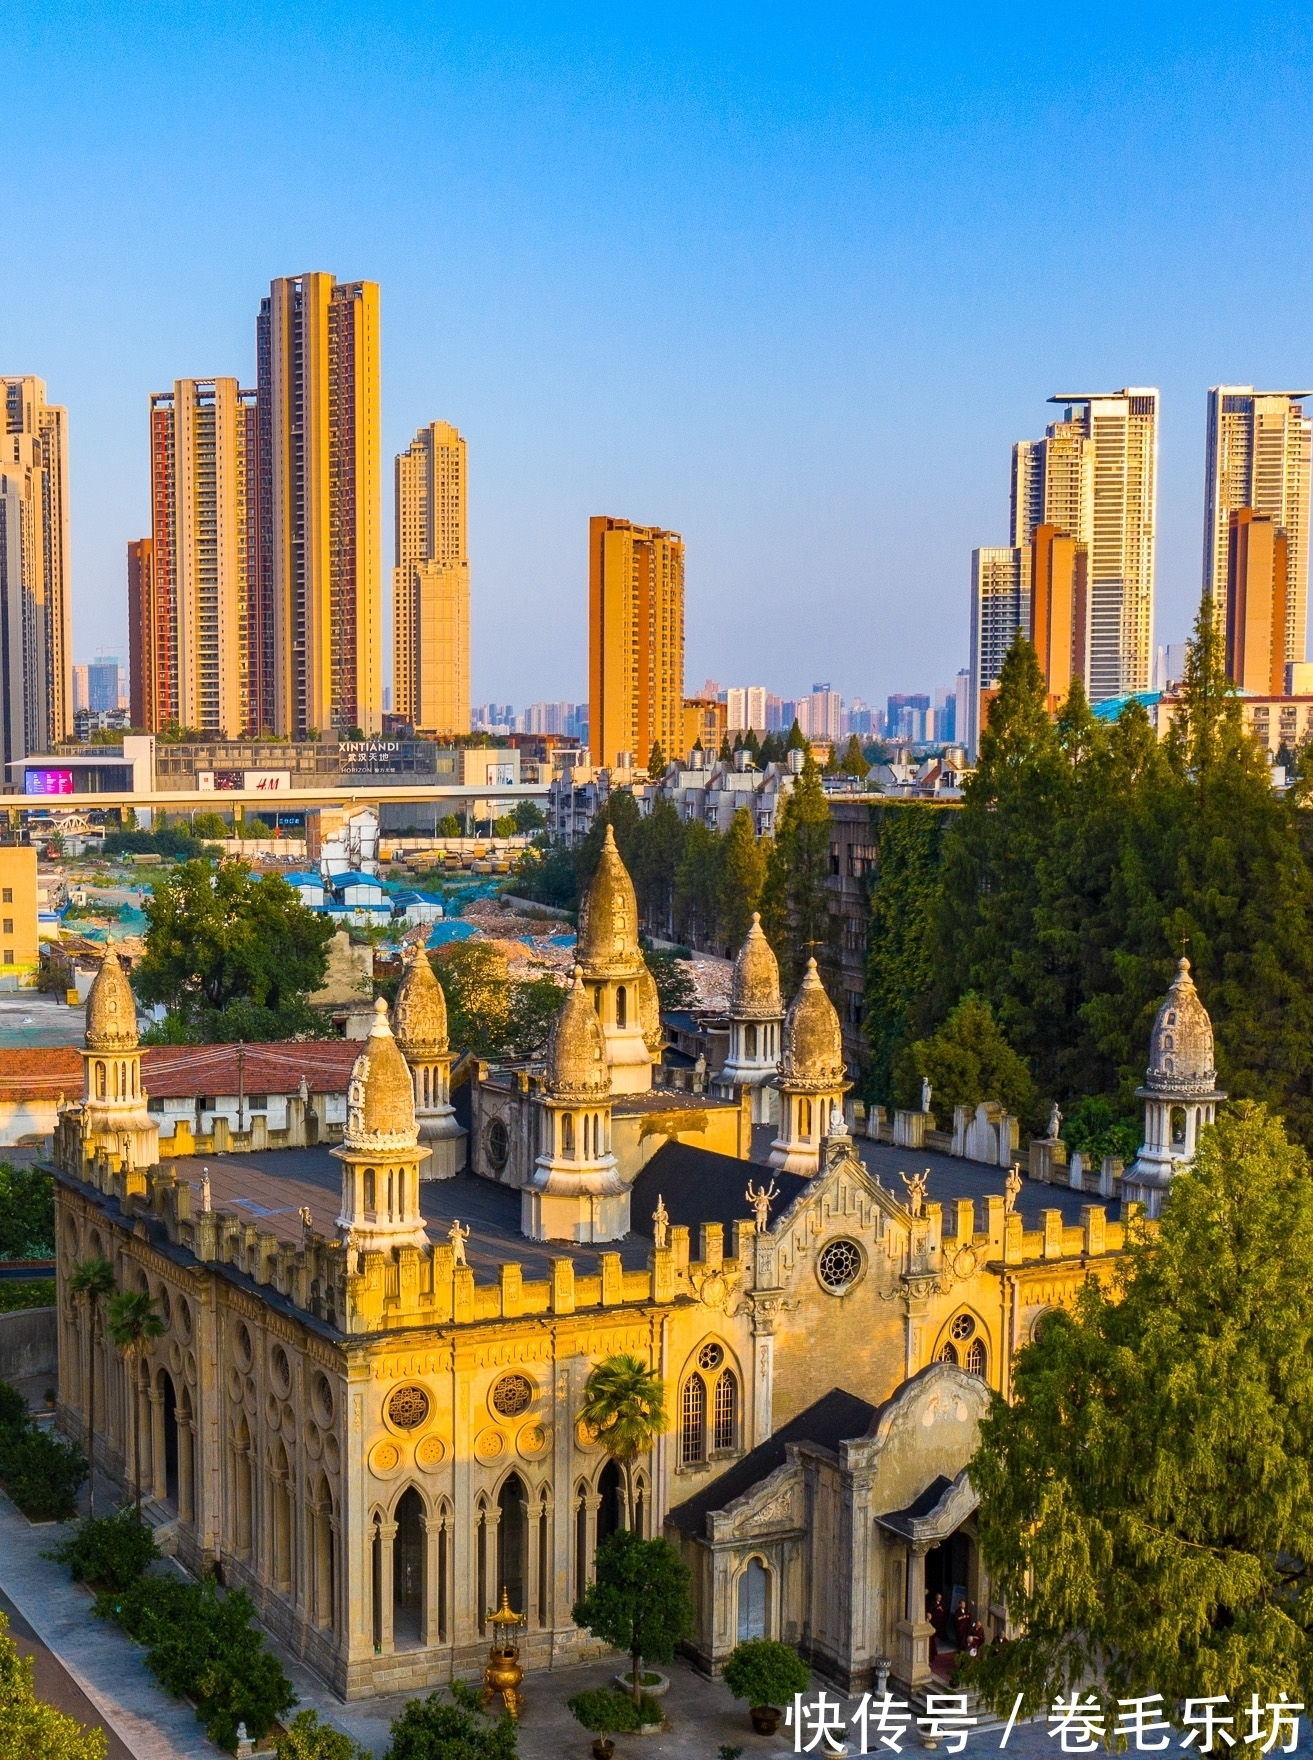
(795, 903)
(488, 1012)
(217, 938)
(639, 1599)
(30, 1729)
(1146, 1503)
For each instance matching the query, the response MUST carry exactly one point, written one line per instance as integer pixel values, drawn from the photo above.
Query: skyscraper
(431, 584)
(1105, 495)
(1059, 608)
(1257, 595)
(36, 620)
(745, 707)
(319, 610)
(204, 550)
(1258, 457)
(141, 629)
(635, 639)
(1000, 606)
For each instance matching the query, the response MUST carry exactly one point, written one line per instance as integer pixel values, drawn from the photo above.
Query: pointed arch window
(727, 1410)
(693, 1421)
(976, 1361)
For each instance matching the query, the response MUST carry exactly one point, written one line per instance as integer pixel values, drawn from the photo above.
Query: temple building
(364, 1407)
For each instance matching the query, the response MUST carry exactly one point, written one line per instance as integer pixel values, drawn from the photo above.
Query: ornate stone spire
(1180, 1093)
(380, 1151)
(380, 1100)
(421, 1029)
(608, 916)
(754, 993)
(810, 1081)
(576, 1053)
(615, 975)
(421, 1010)
(111, 1008)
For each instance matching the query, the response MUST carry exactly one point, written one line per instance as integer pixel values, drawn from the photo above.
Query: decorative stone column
(914, 1629)
(186, 1472)
(387, 1533)
(433, 1539)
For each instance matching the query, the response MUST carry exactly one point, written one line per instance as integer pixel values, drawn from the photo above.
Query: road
(53, 1682)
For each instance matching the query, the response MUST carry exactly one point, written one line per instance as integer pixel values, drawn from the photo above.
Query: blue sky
(790, 280)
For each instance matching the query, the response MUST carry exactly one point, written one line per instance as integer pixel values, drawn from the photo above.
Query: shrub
(29, 1729)
(31, 1292)
(606, 1712)
(765, 1673)
(434, 1729)
(201, 1643)
(41, 1472)
(27, 1213)
(110, 1552)
(649, 1709)
(305, 1738)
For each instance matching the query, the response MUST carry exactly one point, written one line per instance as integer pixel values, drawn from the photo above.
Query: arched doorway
(513, 1544)
(754, 1612)
(948, 1597)
(408, 1570)
(611, 1509)
(170, 1440)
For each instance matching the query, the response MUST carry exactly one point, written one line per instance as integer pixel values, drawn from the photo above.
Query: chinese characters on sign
(1077, 1725)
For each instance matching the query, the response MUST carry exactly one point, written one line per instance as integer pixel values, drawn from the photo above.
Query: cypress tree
(795, 905)
(901, 928)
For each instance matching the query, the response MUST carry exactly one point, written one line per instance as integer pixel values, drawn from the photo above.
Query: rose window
(839, 1266)
(512, 1395)
(408, 1408)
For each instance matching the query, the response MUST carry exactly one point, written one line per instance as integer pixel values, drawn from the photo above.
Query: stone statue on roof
(205, 1191)
(458, 1237)
(926, 1092)
(660, 1223)
(916, 1188)
(761, 1198)
(1011, 1191)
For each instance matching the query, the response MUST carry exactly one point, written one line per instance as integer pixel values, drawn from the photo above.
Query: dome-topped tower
(112, 1126)
(111, 1008)
(575, 1192)
(615, 974)
(756, 1011)
(380, 1151)
(810, 1080)
(1180, 1092)
(421, 1029)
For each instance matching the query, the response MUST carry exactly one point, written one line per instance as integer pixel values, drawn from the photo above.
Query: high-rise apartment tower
(1093, 478)
(431, 584)
(204, 556)
(319, 607)
(1059, 608)
(1258, 457)
(36, 678)
(1257, 603)
(635, 640)
(1000, 606)
(141, 629)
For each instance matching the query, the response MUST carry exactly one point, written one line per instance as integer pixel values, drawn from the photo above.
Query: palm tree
(91, 1282)
(133, 1326)
(625, 1408)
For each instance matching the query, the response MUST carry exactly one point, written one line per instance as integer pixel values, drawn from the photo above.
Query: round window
(839, 1266)
(962, 1327)
(280, 1369)
(242, 1344)
(408, 1408)
(497, 1142)
(512, 1395)
(184, 1317)
(323, 1398)
(710, 1357)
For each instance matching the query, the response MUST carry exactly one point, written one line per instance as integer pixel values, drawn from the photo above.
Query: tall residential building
(431, 584)
(318, 619)
(204, 544)
(1257, 603)
(104, 684)
(1059, 608)
(1258, 457)
(745, 707)
(1000, 606)
(35, 605)
(635, 640)
(1107, 498)
(81, 689)
(1028, 474)
(141, 629)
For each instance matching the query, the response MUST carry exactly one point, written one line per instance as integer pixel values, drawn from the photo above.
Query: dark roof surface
(920, 1506)
(837, 1417)
(698, 1185)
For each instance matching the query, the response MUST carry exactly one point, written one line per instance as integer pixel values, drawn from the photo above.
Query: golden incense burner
(503, 1673)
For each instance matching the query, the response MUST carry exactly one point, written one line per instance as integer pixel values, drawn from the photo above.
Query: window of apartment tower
(7, 896)
(9, 925)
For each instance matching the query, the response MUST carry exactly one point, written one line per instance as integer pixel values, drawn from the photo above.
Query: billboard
(258, 781)
(48, 782)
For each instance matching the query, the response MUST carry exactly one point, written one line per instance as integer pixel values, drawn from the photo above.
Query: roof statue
(111, 1009)
(608, 916)
(380, 1099)
(1181, 1056)
(576, 1054)
(761, 1197)
(421, 1010)
(813, 1039)
(755, 986)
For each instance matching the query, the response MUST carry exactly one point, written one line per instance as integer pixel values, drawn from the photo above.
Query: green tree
(529, 816)
(657, 846)
(968, 1060)
(673, 979)
(532, 1004)
(306, 1738)
(743, 866)
(216, 937)
(624, 1404)
(795, 741)
(30, 1729)
(134, 1325)
(639, 1600)
(449, 826)
(622, 815)
(1146, 1501)
(795, 900)
(699, 886)
(475, 979)
(91, 1285)
(27, 1212)
(902, 920)
(854, 759)
(656, 761)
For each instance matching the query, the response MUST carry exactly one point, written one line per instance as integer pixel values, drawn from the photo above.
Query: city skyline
(830, 192)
